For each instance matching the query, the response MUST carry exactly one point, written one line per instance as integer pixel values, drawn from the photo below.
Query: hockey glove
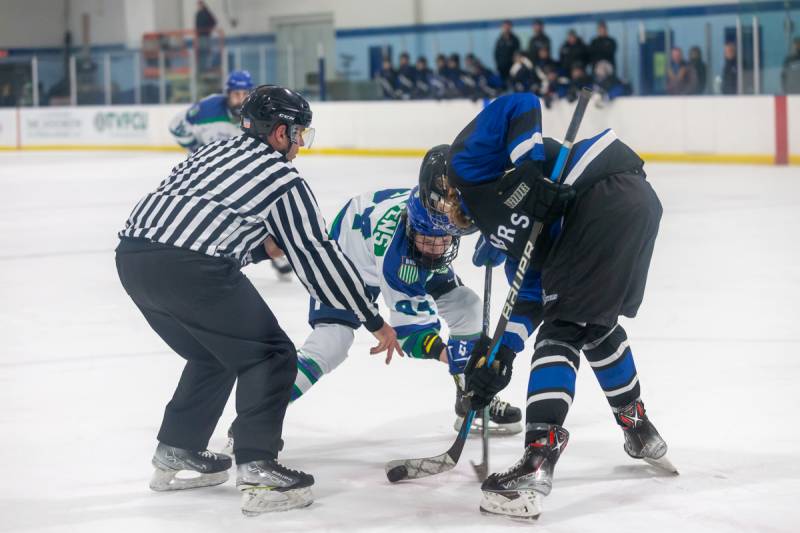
(549, 200)
(484, 382)
(487, 255)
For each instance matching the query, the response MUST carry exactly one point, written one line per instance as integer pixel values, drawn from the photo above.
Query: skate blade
(662, 463)
(166, 480)
(260, 500)
(498, 430)
(517, 505)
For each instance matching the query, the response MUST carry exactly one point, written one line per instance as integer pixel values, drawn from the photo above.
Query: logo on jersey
(408, 271)
(385, 228)
(517, 196)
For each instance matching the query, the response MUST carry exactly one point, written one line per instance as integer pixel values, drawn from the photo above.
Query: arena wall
(678, 129)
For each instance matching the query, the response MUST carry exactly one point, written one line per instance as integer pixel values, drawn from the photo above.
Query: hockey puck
(397, 473)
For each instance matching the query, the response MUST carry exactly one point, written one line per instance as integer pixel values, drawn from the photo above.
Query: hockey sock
(611, 359)
(551, 386)
(308, 373)
(323, 351)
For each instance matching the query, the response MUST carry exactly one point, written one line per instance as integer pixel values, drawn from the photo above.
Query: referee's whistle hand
(387, 342)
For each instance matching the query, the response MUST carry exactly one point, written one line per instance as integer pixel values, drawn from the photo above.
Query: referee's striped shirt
(226, 198)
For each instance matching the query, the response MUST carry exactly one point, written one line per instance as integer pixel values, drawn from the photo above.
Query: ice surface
(83, 380)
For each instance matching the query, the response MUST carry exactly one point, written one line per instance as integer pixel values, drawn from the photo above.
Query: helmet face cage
(429, 247)
(439, 198)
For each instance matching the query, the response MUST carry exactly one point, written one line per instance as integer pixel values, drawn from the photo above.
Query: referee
(179, 259)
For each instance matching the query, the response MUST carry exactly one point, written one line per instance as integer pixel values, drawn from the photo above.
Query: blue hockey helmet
(239, 80)
(429, 246)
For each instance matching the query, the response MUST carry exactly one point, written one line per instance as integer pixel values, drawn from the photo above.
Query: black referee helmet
(269, 106)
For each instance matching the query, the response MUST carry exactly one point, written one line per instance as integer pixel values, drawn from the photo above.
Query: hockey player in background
(217, 117)
(589, 266)
(180, 258)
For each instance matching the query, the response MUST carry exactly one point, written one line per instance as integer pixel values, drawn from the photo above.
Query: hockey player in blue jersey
(402, 256)
(589, 267)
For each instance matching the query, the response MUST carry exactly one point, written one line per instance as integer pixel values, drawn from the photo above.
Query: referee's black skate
(268, 486)
(518, 492)
(504, 418)
(642, 440)
(170, 462)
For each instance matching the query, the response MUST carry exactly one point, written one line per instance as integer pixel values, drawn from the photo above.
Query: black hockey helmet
(435, 192)
(269, 106)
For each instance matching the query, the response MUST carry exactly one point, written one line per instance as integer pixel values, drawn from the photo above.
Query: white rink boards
(83, 380)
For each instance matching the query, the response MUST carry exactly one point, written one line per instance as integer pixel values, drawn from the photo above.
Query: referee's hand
(387, 342)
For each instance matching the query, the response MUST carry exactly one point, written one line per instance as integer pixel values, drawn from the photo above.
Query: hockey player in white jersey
(391, 239)
(217, 117)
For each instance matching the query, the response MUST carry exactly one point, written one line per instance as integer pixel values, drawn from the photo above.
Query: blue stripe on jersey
(619, 374)
(560, 376)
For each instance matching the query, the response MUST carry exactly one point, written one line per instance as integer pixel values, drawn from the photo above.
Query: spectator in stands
(387, 79)
(487, 84)
(677, 73)
(607, 84)
(697, 72)
(444, 78)
(543, 59)
(522, 76)
(538, 41)
(578, 80)
(461, 80)
(730, 71)
(602, 47)
(554, 86)
(790, 75)
(406, 77)
(573, 51)
(423, 79)
(507, 43)
(204, 24)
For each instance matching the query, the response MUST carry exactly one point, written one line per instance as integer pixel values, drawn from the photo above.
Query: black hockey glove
(549, 200)
(484, 382)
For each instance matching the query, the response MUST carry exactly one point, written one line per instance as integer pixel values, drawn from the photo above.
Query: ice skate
(282, 268)
(642, 440)
(204, 468)
(228, 449)
(267, 486)
(518, 492)
(504, 418)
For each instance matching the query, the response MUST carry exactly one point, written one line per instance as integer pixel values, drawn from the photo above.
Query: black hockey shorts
(597, 268)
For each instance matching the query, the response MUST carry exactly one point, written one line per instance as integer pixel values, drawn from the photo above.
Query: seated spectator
(423, 79)
(578, 80)
(573, 51)
(538, 41)
(730, 71)
(677, 73)
(607, 84)
(462, 82)
(387, 79)
(406, 77)
(790, 75)
(602, 47)
(444, 86)
(543, 59)
(522, 76)
(554, 86)
(487, 84)
(697, 72)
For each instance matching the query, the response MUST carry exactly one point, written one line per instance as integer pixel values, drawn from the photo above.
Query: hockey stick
(482, 469)
(401, 469)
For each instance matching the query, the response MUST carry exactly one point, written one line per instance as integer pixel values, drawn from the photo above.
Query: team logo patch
(408, 271)
(517, 196)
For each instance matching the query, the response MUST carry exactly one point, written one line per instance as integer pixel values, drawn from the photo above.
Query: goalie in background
(217, 117)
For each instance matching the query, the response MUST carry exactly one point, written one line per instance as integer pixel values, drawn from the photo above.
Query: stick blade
(403, 469)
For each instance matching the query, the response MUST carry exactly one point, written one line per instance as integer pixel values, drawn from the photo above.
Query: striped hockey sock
(308, 373)
(611, 359)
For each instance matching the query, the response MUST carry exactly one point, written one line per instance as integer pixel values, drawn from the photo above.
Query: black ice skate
(504, 418)
(169, 462)
(642, 440)
(282, 268)
(267, 486)
(518, 492)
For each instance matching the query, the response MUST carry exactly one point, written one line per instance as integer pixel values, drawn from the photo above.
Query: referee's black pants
(206, 310)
